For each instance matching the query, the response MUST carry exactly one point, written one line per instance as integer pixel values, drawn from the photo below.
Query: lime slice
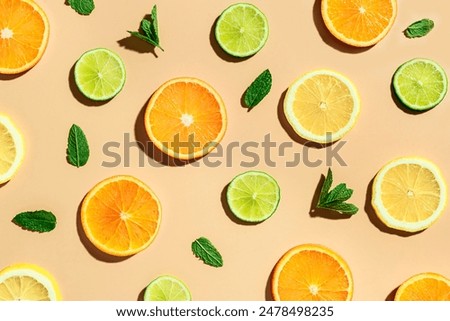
(253, 196)
(167, 288)
(242, 30)
(420, 84)
(100, 74)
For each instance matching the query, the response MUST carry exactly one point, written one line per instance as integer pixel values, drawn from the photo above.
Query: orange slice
(424, 287)
(359, 23)
(121, 215)
(312, 272)
(186, 118)
(24, 31)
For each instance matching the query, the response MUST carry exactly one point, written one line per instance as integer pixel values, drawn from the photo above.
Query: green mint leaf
(205, 251)
(77, 147)
(335, 199)
(83, 7)
(258, 89)
(37, 221)
(419, 28)
(150, 30)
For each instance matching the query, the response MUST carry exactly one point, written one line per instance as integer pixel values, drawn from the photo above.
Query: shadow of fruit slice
(409, 194)
(24, 31)
(185, 118)
(27, 282)
(424, 287)
(312, 272)
(121, 215)
(11, 149)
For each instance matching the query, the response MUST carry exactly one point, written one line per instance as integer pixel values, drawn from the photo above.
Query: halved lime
(167, 288)
(100, 74)
(242, 30)
(420, 84)
(253, 196)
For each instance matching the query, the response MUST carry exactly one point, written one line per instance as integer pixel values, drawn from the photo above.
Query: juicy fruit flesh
(99, 74)
(23, 288)
(166, 289)
(426, 289)
(420, 84)
(410, 192)
(22, 31)
(186, 118)
(122, 209)
(242, 29)
(253, 197)
(8, 151)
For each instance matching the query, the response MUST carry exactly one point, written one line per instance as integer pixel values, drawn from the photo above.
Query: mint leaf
(205, 251)
(149, 29)
(419, 28)
(77, 147)
(335, 199)
(37, 221)
(83, 7)
(258, 89)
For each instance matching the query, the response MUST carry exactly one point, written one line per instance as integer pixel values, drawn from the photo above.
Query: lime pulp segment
(167, 288)
(253, 196)
(420, 84)
(100, 74)
(242, 30)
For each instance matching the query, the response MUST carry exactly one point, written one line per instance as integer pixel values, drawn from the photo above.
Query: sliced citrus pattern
(121, 215)
(312, 272)
(409, 194)
(24, 31)
(424, 287)
(27, 282)
(322, 106)
(11, 149)
(359, 23)
(186, 118)
(242, 30)
(167, 288)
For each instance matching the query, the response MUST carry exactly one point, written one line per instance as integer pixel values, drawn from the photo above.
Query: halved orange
(186, 118)
(424, 287)
(312, 272)
(121, 215)
(24, 31)
(360, 23)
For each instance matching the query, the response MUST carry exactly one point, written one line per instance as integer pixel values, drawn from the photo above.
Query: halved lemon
(11, 149)
(409, 194)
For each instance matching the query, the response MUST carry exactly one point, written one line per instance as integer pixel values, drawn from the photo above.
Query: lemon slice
(322, 106)
(11, 149)
(27, 282)
(167, 288)
(409, 194)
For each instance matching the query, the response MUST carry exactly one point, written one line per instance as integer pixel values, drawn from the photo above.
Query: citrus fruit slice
(121, 215)
(409, 194)
(322, 106)
(242, 30)
(24, 31)
(185, 118)
(424, 287)
(167, 288)
(99, 74)
(11, 149)
(420, 84)
(312, 272)
(253, 196)
(360, 23)
(27, 282)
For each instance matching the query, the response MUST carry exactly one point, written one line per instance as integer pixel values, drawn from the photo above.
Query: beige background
(44, 104)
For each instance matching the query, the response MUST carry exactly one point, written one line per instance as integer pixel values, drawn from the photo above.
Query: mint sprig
(149, 28)
(207, 252)
(37, 221)
(336, 198)
(419, 28)
(83, 7)
(258, 89)
(77, 147)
